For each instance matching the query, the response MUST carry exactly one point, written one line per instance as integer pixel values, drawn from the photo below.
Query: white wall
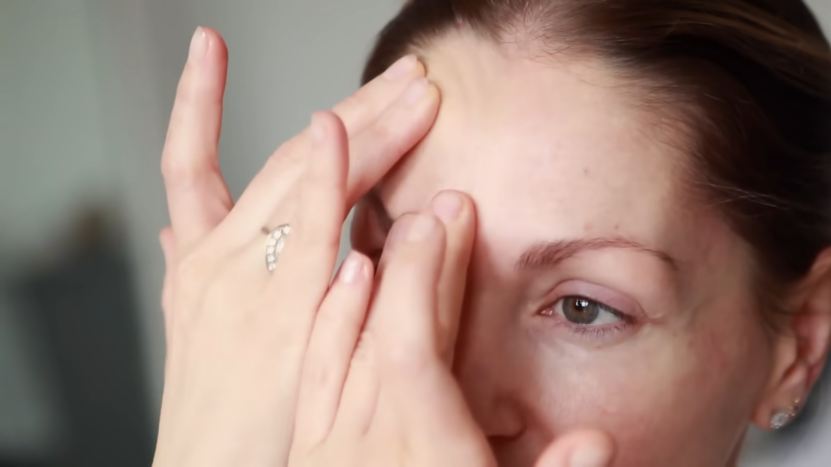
(53, 163)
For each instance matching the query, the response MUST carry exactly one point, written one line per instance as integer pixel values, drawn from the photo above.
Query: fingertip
(212, 34)
(452, 206)
(355, 269)
(587, 448)
(327, 121)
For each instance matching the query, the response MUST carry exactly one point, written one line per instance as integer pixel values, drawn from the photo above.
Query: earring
(783, 418)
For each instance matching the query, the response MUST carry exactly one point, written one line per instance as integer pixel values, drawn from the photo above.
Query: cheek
(663, 395)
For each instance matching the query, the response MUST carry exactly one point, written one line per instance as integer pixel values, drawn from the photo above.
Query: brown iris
(579, 310)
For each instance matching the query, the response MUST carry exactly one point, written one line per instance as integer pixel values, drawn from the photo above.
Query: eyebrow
(550, 254)
(547, 254)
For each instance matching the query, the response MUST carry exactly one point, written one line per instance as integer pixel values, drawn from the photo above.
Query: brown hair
(748, 80)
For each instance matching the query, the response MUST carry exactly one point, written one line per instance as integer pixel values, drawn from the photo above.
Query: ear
(801, 348)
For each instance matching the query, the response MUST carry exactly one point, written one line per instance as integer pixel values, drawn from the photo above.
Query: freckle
(586, 171)
(617, 227)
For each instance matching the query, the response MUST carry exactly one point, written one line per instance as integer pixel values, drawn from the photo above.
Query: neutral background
(85, 93)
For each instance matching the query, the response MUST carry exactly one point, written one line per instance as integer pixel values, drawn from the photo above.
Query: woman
(621, 207)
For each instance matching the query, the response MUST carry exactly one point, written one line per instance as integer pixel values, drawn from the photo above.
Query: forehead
(548, 150)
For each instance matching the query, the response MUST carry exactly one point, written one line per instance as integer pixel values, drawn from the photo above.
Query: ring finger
(331, 346)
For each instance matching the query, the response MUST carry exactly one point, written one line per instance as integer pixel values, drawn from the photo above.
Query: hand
(386, 396)
(382, 394)
(236, 333)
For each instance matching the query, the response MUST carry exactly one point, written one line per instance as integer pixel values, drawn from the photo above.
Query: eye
(584, 312)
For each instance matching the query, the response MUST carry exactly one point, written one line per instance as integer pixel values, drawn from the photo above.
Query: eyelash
(583, 331)
(589, 331)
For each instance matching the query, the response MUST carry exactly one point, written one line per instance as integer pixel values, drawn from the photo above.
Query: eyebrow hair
(550, 254)
(546, 254)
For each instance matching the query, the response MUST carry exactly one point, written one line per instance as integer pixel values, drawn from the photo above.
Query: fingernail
(198, 44)
(318, 132)
(447, 206)
(401, 68)
(420, 228)
(414, 93)
(352, 269)
(590, 456)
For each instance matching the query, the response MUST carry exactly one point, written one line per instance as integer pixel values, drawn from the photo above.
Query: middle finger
(368, 110)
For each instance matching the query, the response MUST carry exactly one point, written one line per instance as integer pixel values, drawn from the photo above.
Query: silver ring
(274, 243)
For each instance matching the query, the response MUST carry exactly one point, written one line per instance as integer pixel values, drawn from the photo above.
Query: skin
(550, 152)
(285, 366)
(289, 368)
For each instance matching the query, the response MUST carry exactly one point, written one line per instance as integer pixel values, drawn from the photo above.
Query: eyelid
(600, 294)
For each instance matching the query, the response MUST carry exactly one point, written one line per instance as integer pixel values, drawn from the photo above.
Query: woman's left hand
(399, 404)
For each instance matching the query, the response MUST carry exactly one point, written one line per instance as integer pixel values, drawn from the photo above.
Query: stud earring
(783, 418)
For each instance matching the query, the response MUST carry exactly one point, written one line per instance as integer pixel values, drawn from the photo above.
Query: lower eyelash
(600, 332)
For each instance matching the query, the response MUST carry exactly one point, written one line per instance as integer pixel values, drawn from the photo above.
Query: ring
(274, 245)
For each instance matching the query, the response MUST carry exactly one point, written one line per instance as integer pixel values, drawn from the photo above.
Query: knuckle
(361, 353)
(386, 132)
(317, 241)
(177, 172)
(289, 154)
(191, 273)
(408, 358)
(317, 230)
(320, 375)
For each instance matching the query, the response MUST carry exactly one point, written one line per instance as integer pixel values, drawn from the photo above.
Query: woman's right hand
(236, 333)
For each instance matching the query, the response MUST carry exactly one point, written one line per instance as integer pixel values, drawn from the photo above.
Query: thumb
(579, 449)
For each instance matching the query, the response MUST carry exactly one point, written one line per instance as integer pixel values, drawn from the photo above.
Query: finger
(334, 337)
(457, 212)
(357, 112)
(361, 391)
(168, 243)
(372, 153)
(404, 309)
(579, 449)
(367, 103)
(362, 388)
(311, 249)
(198, 198)
(425, 394)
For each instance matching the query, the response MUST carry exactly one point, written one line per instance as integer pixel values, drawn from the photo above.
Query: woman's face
(599, 296)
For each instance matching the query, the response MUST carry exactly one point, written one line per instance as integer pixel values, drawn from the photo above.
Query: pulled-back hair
(744, 85)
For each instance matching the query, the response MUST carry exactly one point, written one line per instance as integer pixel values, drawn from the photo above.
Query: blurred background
(85, 93)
